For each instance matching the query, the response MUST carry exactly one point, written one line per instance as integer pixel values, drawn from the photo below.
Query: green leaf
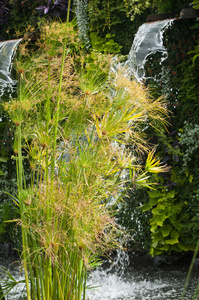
(149, 205)
(157, 252)
(156, 238)
(165, 248)
(170, 194)
(3, 159)
(109, 35)
(184, 247)
(154, 227)
(166, 229)
(1, 172)
(153, 194)
(160, 219)
(194, 58)
(159, 210)
(174, 238)
(175, 234)
(154, 245)
(196, 4)
(156, 211)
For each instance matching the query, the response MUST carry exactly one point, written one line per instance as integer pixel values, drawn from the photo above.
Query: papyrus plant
(73, 121)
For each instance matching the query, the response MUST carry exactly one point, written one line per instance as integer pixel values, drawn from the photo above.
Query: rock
(160, 17)
(188, 13)
(161, 260)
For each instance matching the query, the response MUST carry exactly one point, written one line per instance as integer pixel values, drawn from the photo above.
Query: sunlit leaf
(153, 165)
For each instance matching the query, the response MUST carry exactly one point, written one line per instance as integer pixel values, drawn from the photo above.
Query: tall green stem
(57, 112)
(189, 273)
(59, 97)
(48, 117)
(20, 190)
(68, 12)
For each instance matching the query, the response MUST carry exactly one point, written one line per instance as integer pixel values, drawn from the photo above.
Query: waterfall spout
(7, 51)
(148, 39)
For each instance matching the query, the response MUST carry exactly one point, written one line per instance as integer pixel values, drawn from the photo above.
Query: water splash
(139, 279)
(114, 287)
(7, 52)
(148, 39)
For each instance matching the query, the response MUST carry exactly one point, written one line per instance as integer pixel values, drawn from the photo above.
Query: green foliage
(195, 51)
(104, 13)
(104, 45)
(137, 7)
(8, 232)
(189, 139)
(1, 293)
(109, 17)
(195, 4)
(8, 181)
(165, 226)
(2, 159)
(164, 7)
(21, 14)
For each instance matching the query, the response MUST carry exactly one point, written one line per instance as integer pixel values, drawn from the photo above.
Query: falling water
(148, 39)
(7, 51)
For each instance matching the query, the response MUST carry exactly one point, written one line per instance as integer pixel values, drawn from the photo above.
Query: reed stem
(20, 190)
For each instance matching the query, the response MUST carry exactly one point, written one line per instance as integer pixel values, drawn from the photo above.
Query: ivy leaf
(149, 205)
(157, 237)
(184, 247)
(165, 248)
(159, 210)
(170, 194)
(160, 219)
(156, 211)
(174, 239)
(109, 35)
(196, 4)
(166, 230)
(153, 226)
(153, 194)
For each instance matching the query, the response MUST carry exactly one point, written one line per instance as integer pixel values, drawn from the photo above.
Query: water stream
(7, 52)
(148, 39)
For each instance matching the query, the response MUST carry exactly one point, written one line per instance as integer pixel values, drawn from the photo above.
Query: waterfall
(148, 39)
(7, 51)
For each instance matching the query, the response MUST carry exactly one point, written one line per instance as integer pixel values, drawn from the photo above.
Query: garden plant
(74, 120)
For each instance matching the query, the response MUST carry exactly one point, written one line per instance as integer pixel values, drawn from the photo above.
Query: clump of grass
(75, 134)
